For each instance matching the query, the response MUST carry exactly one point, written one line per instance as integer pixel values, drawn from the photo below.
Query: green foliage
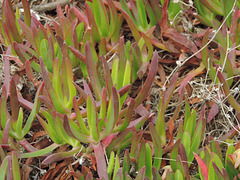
(96, 110)
(173, 10)
(10, 167)
(104, 24)
(16, 129)
(209, 9)
(138, 17)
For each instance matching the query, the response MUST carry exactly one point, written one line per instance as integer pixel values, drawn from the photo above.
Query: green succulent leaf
(3, 167)
(110, 164)
(148, 161)
(92, 72)
(68, 126)
(35, 109)
(27, 14)
(112, 114)
(19, 123)
(190, 124)
(41, 152)
(198, 135)
(15, 167)
(50, 128)
(82, 125)
(141, 174)
(61, 156)
(162, 108)
(213, 6)
(174, 155)
(142, 156)
(157, 147)
(178, 175)
(55, 99)
(92, 22)
(132, 24)
(9, 17)
(128, 116)
(116, 167)
(92, 119)
(126, 163)
(142, 14)
(186, 141)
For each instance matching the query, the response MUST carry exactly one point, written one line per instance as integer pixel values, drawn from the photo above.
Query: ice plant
(227, 59)
(10, 167)
(100, 124)
(211, 164)
(137, 16)
(105, 117)
(106, 121)
(165, 99)
(42, 40)
(48, 45)
(60, 88)
(104, 23)
(11, 30)
(191, 131)
(143, 162)
(174, 9)
(9, 24)
(209, 9)
(16, 118)
(138, 22)
(96, 113)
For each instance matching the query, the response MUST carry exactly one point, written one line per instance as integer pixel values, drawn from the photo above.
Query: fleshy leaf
(202, 165)
(74, 133)
(92, 72)
(27, 15)
(141, 174)
(60, 156)
(148, 83)
(92, 119)
(7, 68)
(79, 117)
(126, 163)
(128, 116)
(3, 167)
(157, 146)
(101, 163)
(39, 152)
(132, 25)
(148, 160)
(5, 135)
(92, 22)
(28, 34)
(174, 155)
(55, 100)
(15, 167)
(162, 108)
(10, 21)
(113, 113)
(35, 110)
(213, 112)
(14, 101)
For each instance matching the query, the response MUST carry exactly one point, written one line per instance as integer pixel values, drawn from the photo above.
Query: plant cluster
(87, 107)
